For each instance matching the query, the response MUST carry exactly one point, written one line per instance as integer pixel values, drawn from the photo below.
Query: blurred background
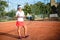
(43, 10)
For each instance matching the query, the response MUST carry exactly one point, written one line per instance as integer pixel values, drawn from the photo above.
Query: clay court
(37, 30)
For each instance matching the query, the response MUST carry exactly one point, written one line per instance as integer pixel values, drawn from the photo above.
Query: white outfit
(21, 16)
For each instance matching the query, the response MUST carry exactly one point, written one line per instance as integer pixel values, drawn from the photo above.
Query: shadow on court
(9, 35)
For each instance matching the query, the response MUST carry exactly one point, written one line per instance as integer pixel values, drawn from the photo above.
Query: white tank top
(18, 13)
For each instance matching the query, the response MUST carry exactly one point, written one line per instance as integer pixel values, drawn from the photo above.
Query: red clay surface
(37, 30)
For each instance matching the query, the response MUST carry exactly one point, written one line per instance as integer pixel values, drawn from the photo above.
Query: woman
(20, 22)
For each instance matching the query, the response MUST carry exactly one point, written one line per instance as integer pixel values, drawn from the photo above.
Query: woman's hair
(18, 7)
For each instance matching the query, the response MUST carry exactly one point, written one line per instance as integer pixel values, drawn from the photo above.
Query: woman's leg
(25, 30)
(19, 31)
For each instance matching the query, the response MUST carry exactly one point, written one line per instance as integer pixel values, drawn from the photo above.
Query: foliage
(27, 8)
(38, 8)
(58, 9)
(11, 13)
(3, 5)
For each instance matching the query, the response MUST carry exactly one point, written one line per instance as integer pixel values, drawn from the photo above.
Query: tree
(47, 9)
(38, 8)
(3, 13)
(41, 8)
(58, 9)
(27, 8)
(11, 13)
(53, 9)
(3, 5)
